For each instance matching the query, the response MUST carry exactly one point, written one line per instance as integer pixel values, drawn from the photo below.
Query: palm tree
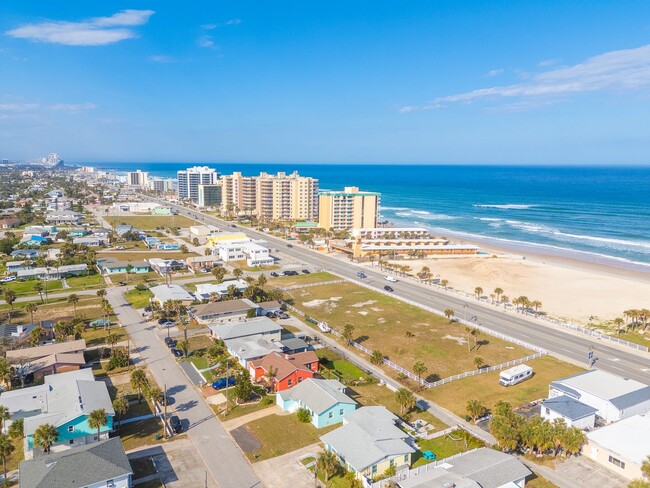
(35, 336)
(44, 436)
(638, 483)
(112, 339)
(10, 298)
(237, 273)
(139, 382)
(97, 419)
(184, 346)
(101, 293)
(328, 463)
(444, 283)
(73, 300)
(262, 280)
(419, 368)
(4, 416)
(478, 291)
(348, 331)
(121, 406)
(449, 313)
(405, 399)
(475, 409)
(498, 292)
(218, 273)
(645, 467)
(6, 448)
(129, 268)
(31, 309)
(504, 300)
(38, 288)
(478, 362)
(619, 322)
(154, 394)
(536, 304)
(376, 357)
(5, 371)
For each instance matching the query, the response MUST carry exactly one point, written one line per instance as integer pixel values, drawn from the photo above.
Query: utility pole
(165, 409)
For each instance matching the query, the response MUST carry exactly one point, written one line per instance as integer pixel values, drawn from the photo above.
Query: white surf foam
(506, 206)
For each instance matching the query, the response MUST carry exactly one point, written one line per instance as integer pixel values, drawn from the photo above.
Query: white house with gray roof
(482, 468)
(99, 465)
(613, 397)
(250, 339)
(573, 412)
(369, 442)
(325, 399)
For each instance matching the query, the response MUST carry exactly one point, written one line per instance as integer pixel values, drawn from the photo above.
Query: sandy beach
(568, 289)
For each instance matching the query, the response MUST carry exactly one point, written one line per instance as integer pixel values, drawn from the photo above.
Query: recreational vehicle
(515, 375)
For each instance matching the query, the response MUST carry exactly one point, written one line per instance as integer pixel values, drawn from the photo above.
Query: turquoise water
(598, 214)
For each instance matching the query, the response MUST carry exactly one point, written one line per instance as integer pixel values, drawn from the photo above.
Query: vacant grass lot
(486, 388)
(141, 433)
(85, 282)
(301, 279)
(142, 255)
(88, 307)
(384, 323)
(333, 366)
(150, 222)
(26, 288)
(138, 298)
(443, 447)
(135, 278)
(96, 337)
(280, 434)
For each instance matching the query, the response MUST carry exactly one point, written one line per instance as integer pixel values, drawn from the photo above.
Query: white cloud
(209, 26)
(72, 108)
(161, 58)
(98, 31)
(19, 107)
(548, 62)
(232, 22)
(494, 72)
(215, 26)
(205, 41)
(624, 70)
(29, 107)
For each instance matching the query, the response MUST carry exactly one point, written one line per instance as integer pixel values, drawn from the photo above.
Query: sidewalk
(244, 419)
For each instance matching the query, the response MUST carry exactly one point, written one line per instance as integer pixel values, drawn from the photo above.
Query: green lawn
(338, 368)
(486, 388)
(15, 457)
(536, 481)
(26, 288)
(404, 333)
(135, 278)
(634, 337)
(142, 255)
(88, 307)
(199, 343)
(138, 298)
(96, 337)
(280, 434)
(77, 283)
(244, 267)
(301, 279)
(151, 484)
(235, 410)
(444, 446)
(141, 433)
(198, 362)
(150, 222)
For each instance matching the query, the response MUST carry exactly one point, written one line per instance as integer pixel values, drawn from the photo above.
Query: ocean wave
(506, 206)
(394, 208)
(489, 219)
(423, 214)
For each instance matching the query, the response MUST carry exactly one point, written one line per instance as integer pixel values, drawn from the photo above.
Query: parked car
(289, 245)
(324, 327)
(234, 226)
(361, 274)
(8, 279)
(392, 279)
(292, 273)
(120, 248)
(223, 382)
(163, 320)
(177, 352)
(274, 274)
(169, 323)
(168, 340)
(283, 315)
(121, 283)
(388, 288)
(175, 424)
(270, 314)
(305, 271)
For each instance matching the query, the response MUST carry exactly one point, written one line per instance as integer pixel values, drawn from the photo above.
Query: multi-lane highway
(557, 341)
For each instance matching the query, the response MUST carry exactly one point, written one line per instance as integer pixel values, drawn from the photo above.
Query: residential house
(222, 312)
(113, 266)
(90, 241)
(250, 339)
(39, 230)
(196, 263)
(15, 332)
(369, 442)
(613, 397)
(163, 293)
(271, 306)
(67, 217)
(325, 400)
(9, 223)
(205, 291)
(49, 358)
(26, 253)
(52, 273)
(78, 232)
(99, 465)
(253, 252)
(120, 230)
(622, 446)
(282, 371)
(570, 410)
(155, 243)
(65, 401)
(481, 468)
(14, 266)
(165, 266)
(290, 344)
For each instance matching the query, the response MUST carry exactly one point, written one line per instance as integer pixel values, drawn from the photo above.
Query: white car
(324, 327)
(392, 279)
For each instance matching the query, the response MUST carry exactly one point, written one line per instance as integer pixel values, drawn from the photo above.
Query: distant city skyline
(441, 82)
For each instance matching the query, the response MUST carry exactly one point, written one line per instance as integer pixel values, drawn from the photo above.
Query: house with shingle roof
(369, 442)
(613, 397)
(102, 464)
(49, 358)
(325, 399)
(283, 371)
(65, 401)
(573, 412)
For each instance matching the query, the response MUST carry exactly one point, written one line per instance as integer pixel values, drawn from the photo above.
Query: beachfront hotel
(348, 209)
(137, 178)
(189, 180)
(270, 197)
(210, 195)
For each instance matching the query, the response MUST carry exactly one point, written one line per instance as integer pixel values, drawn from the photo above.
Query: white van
(515, 375)
(392, 279)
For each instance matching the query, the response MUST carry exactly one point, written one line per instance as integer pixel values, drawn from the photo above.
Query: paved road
(559, 342)
(225, 462)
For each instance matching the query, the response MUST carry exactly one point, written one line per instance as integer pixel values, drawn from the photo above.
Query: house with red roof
(282, 371)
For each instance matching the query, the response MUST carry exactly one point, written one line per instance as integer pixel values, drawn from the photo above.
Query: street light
(47, 271)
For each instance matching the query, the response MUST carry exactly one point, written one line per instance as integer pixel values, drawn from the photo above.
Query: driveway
(286, 470)
(579, 472)
(223, 460)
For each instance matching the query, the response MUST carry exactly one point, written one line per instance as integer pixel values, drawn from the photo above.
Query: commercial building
(348, 209)
(210, 195)
(161, 185)
(621, 447)
(613, 397)
(271, 197)
(137, 178)
(189, 180)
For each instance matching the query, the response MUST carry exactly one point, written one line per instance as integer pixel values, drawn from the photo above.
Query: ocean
(595, 214)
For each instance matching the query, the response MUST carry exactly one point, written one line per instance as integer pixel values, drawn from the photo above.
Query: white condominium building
(271, 197)
(161, 184)
(190, 179)
(348, 209)
(137, 178)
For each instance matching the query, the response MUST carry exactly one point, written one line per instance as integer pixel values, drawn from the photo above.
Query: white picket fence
(309, 285)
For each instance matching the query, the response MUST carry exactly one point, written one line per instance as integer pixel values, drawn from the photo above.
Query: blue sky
(451, 81)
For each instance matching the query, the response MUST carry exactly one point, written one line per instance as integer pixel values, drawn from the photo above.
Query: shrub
(268, 400)
(141, 287)
(119, 359)
(303, 415)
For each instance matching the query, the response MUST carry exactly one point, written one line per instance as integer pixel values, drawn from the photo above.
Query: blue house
(325, 399)
(65, 401)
